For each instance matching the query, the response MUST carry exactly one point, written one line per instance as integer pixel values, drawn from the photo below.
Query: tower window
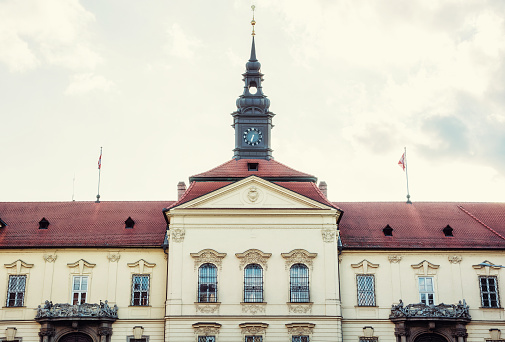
(253, 88)
(129, 223)
(43, 224)
(252, 166)
(388, 231)
(448, 231)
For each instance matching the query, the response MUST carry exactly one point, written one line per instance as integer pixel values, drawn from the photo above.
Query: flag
(402, 161)
(100, 161)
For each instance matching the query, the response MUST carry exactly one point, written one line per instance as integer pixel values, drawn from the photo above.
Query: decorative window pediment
(253, 328)
(364, 267)
(18, 267)
(297, 329)
(208, 256)
(253, 256)
(425, 268)
(298, 256)
(486, 268)
(206, 329)
(141, 266)
(81, 267)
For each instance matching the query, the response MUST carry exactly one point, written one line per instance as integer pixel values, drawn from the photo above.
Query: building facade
(252, 251)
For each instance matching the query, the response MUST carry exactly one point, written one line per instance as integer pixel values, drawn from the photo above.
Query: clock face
(252, 136)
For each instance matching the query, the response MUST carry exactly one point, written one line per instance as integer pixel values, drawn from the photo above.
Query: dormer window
(388, 231)
(448, 231)
(129, 223)
(2, 223)
(43, 224)
(252, 166)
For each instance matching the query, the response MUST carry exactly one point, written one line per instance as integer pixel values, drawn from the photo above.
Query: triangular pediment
(253, 192)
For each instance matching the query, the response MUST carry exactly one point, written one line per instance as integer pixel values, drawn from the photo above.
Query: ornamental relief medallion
(208, 256)
(328, 234)
(177, 234)
(298, 256)
(253, 256)
(253, 195)
(50, 257)
(395, 258)
(253, 309)
(113, 256)
(455, 259)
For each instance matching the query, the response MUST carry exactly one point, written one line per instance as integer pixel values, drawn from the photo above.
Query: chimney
(324, 188)
(181, 189)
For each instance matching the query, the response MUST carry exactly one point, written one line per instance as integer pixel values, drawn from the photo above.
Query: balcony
(83, 311)
(421, 311)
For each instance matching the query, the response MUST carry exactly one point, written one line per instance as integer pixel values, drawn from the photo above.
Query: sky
(352, 83)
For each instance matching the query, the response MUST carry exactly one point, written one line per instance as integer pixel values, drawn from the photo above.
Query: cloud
(85, 83)
(181, 45)
(51, 32)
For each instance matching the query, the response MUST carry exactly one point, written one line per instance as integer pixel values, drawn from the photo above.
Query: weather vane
(253, 22)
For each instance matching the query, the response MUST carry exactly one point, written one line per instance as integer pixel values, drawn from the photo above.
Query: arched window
(207, 283)
(299, 283)
(253, 283)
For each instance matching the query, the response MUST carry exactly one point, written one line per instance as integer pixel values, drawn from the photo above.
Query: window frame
(80, 292)
(299, 290)
(360, 298)
(300, 338)
(423, 292)
(203, 338)
(10, 290)
(147, 292)
(253, 338)
(368, 339)
(496, 292)
(210, 295)
(253, 284)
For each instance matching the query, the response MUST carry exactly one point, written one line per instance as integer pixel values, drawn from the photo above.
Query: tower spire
(252, 120)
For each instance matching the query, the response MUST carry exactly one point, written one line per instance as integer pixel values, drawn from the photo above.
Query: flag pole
(407, 176)
(99, 169)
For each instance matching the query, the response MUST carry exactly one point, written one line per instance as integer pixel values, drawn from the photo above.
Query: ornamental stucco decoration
(455, 259)
(177, 234)
(298, 256)
(300, 308)
(395, 258)
(208, 256)
(141, 266)
(80, 266)
(18, 267)
(253, 328)
(253, 256)
(329, 234)
(253, 308)
(420, 310)
(50, 257)
(253, 194)
(207, 307)
(50, 310)
(298, 329)
(487, 268)
(206, 328)
(364, 266)
(425, 267)
(113, 256)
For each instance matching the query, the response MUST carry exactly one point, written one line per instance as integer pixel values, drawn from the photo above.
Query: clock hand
(252, 137)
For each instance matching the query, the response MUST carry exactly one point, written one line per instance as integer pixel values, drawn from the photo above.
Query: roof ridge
(479, 221)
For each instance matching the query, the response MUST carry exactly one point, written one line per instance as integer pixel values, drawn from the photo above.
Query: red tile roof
(82, 224)
(197, 189)
(307, 189)
(236, 169)
(419, 225)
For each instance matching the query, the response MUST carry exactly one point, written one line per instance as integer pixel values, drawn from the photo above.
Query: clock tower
(252, 120)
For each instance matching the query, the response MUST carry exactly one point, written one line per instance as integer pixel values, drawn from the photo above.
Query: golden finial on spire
(253, 22)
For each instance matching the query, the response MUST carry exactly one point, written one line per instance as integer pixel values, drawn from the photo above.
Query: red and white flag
(402, 161)
(100, 161)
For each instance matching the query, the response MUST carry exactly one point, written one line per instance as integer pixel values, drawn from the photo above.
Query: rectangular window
(16, 291)
(426, 290)
(254, 339)
(299, 339)
(368, 339)
(489, 292)
(79, 290)
(366, 290)
(206, 338)
(140, 290)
